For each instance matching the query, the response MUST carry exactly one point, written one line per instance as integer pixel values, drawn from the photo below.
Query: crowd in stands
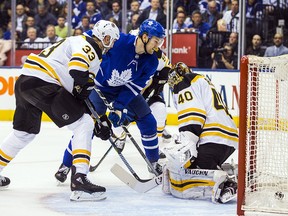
(40, 23)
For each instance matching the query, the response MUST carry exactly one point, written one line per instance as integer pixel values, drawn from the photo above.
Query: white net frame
(266, 178)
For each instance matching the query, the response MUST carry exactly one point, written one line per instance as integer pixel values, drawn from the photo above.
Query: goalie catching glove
(103, 130)
(118, 115)
(83, 84)
(183, 154)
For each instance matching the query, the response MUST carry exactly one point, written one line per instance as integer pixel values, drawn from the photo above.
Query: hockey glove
(103, 130)
(117, 117)
(80, 91)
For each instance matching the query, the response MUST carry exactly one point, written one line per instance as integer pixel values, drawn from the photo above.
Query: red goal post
(263, 136)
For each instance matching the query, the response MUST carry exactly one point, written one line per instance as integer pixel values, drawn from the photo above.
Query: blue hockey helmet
(152, 28)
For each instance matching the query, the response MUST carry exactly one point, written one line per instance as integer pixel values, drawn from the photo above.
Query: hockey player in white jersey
(208, 136)
(57, 81)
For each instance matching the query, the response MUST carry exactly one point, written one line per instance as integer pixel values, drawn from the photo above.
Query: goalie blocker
(199, 184)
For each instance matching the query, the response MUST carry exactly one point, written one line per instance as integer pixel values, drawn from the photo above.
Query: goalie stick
(138, 186)
(121, 175)
(127, 132)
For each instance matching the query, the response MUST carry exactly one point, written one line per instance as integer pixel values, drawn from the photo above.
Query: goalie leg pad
(166, 181)
(80, 196)
(192, 183)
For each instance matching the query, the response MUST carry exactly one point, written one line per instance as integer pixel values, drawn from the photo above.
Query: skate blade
(81, 196)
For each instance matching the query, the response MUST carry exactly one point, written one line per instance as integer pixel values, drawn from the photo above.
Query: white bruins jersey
(202, 111)
(54, 63)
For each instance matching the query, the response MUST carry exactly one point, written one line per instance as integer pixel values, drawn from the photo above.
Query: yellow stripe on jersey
(81, 56)
(81, 151)
(78, 64)
(229, 129)
(191, 114)
(187, 184)
(218, 134)
(46, 67)
(196, 78)
(191, 110)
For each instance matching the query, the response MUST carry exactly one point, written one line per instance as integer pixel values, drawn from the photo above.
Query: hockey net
(263, 136)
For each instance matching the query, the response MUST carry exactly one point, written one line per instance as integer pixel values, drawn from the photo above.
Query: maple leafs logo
(118, 79)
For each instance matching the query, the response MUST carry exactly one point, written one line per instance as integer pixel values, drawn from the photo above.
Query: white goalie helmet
(103, 28)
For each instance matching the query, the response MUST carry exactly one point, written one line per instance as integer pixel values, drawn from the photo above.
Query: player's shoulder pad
(95, 46)
(186, 82)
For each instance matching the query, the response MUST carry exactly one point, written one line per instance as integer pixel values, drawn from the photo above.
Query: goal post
(263, 136)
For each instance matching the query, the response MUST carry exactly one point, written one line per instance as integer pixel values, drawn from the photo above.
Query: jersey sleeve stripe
(78, 59)
(192, 110)
(81, 56)
(196, 78)
(76, 65)
(218, 134)
(217, 125)
(191, 118)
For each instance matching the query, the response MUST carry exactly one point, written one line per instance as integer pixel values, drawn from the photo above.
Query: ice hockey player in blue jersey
(124, 72)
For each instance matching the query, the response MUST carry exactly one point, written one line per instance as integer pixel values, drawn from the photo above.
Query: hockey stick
(127, 132)
(93, 168)
(146, 182)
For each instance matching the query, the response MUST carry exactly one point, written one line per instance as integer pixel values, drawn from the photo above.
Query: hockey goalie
(195, 166)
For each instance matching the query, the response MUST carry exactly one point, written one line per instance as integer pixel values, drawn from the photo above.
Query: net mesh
(266, 178)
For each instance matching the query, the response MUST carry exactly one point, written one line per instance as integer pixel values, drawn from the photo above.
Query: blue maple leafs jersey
(123, 72)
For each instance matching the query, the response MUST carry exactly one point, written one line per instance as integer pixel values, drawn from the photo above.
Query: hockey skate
(166, 137)
(229, 191)
(61, 174)
(83, 190)
(4, 182)
(157, 167)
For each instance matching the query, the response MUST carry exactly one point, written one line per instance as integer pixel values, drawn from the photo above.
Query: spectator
(51, 36)
(189, 5)
(255, 48)
(20, 17)
(77, 31)
(54, 7)
(30, 22)
(44, 18)
(116, 13)
(79, 8)
(132, 25)
(134, 9)
(199, 26)
(61, 30)
(179, 23)
(30, 6)
(278, 48)
(231, 17)
(203, 5)
(226, 6)
(233, 41)
(153, 12)
(5, 46)
(76, 21)
(224, 58)
(93, 14)
(211, 15)
(102, 6)
(84, 25)
(32, 42)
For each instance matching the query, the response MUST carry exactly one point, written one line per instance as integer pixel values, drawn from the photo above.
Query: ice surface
(33, 190)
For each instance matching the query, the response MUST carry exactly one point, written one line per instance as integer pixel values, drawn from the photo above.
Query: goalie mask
(176, 74)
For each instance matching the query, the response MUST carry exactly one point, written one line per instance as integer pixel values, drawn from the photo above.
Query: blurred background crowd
(40, 23)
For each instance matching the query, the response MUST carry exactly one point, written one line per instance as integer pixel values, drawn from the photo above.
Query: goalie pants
(211, 156)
